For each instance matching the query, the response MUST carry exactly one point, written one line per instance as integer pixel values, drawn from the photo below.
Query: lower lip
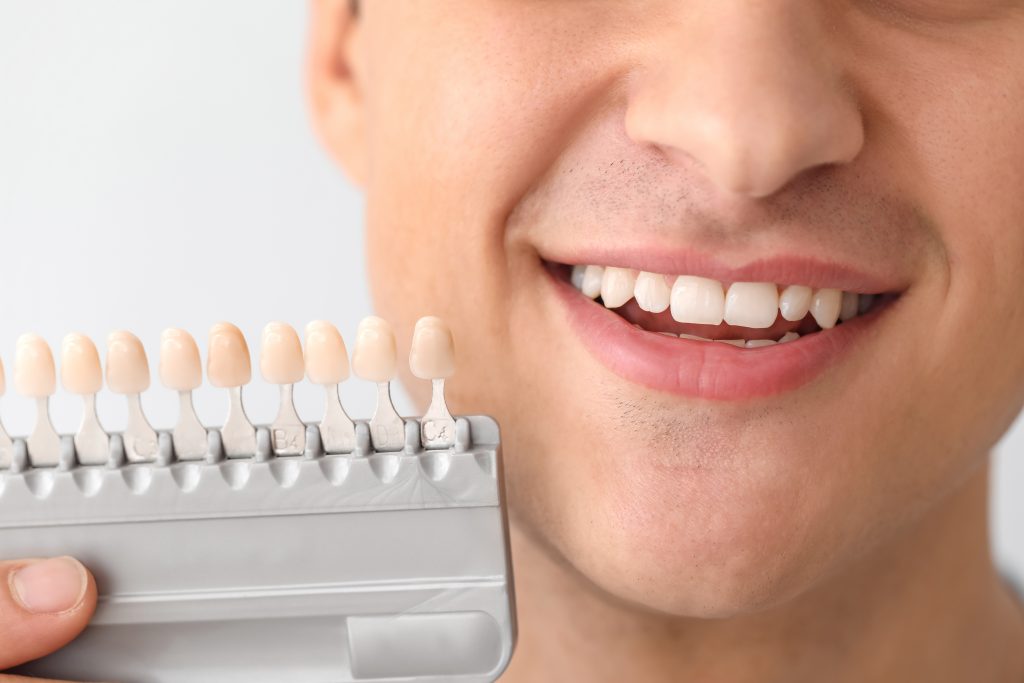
(708, 370)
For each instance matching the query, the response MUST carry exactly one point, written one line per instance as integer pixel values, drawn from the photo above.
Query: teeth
(432, 357)
(229, 366)
(697, 300)
(281, 363)
(759, 343)
(327, 365)
(128, 374)
(795, 302)
(866, 302)
(752, 304)
(617, 286)
(577, 276)
(848, 307)
(788, 337)
(825, 307)
(182, 371)
(6, 445)
(35, 376)
(81, 374)
(652, 293)
(735, 342)
(593, 276)
(374, 359)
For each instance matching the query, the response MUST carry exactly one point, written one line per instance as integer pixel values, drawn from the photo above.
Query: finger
(44, 604)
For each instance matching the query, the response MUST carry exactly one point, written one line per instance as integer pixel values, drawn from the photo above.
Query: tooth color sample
(752, 304)
(794, 302)
(617, 286)
(698, 300)
(593, 276)
(825, 306)
(35, 375)
(433, 352)
(127, 367)
(374, 357)
(80, 370)
(227, 363)
(326, 355)
(281, 359)
(652, 292)
(180, 367)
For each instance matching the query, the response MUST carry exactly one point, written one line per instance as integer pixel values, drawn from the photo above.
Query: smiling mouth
(699, 337)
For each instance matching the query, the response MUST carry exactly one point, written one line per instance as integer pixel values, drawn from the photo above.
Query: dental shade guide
(6, 445)
(380, 553)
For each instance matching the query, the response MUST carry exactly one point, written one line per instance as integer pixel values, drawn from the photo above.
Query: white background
(157, 168)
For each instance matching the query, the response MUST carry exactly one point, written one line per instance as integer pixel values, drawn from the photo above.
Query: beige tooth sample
(35, 376)
(6, 445)
(795, 302)
(182, 371)
(593, 277)
(432, 356)
(128, 374)
(825, 307)
(81, 374)
(697, 300)
(752, 304)
(617, 286)
(229, 366)
(281, 363)
(848, 307)
(652, 292)
(374, 359)
(327, 365)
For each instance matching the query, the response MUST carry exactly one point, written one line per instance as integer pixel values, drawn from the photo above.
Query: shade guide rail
(282, 361)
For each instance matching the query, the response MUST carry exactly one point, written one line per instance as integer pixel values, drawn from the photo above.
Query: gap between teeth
(698, 300)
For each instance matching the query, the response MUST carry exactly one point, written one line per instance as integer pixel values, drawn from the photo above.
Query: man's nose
(752, 91)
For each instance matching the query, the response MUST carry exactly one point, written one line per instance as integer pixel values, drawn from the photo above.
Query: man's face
(873, 147)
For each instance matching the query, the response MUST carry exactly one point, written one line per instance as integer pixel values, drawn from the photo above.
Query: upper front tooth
(752, 304)
(849, 306)
(825, 307)
(697, 300)
(652, 292)
(590, 285)
(617, 286)
(794, 302)
(577, 276)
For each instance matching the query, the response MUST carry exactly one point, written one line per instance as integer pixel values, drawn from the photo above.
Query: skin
(834, 532)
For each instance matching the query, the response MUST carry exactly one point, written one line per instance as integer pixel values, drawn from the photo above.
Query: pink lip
(708, 370)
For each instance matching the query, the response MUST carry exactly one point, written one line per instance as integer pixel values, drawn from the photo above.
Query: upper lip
(781, 267)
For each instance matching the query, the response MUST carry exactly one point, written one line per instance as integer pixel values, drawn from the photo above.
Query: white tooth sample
(281, 363)
(35, 376)
(576, 278)
(432, 356)
(752, 304)
(593, 276)
(374, 359)
(759, 343)
(327, 365)
(848, 307)
(617, 286)
(652, 292)
(865, 303)
(229, 366)
(698, 300)
(788, 337)
(81, 374)
(6, 445)
(825, 306)
(182, 371)
(128, 374)
(795, 302)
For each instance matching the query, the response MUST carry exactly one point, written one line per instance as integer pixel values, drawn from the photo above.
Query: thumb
(44, 604)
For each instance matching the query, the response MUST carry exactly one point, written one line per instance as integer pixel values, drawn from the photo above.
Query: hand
(44, 604)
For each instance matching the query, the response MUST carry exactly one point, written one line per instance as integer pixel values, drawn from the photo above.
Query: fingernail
(50, 586)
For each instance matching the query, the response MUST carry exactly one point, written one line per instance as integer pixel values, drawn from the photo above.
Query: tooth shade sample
(326, 355)
(281, 359)
(794, 302)
(432, 355)
(617, 286)
(697, 300)
(848, 308)
(593, 276)
(752, 304)
(80, 370)
(127, 367)
(35, 375)
(180, 367)
(228, 364)
(375, 357)
(652, 293)
(825, 307)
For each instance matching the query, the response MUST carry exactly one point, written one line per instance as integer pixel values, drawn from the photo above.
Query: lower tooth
(788, 337)
(693, 337)
(758, 343)
(735, 342)
(668, 334)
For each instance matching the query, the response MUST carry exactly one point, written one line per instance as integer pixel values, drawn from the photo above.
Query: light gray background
(157, 168)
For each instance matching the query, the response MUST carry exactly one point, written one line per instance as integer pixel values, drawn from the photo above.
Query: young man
(684, 509)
